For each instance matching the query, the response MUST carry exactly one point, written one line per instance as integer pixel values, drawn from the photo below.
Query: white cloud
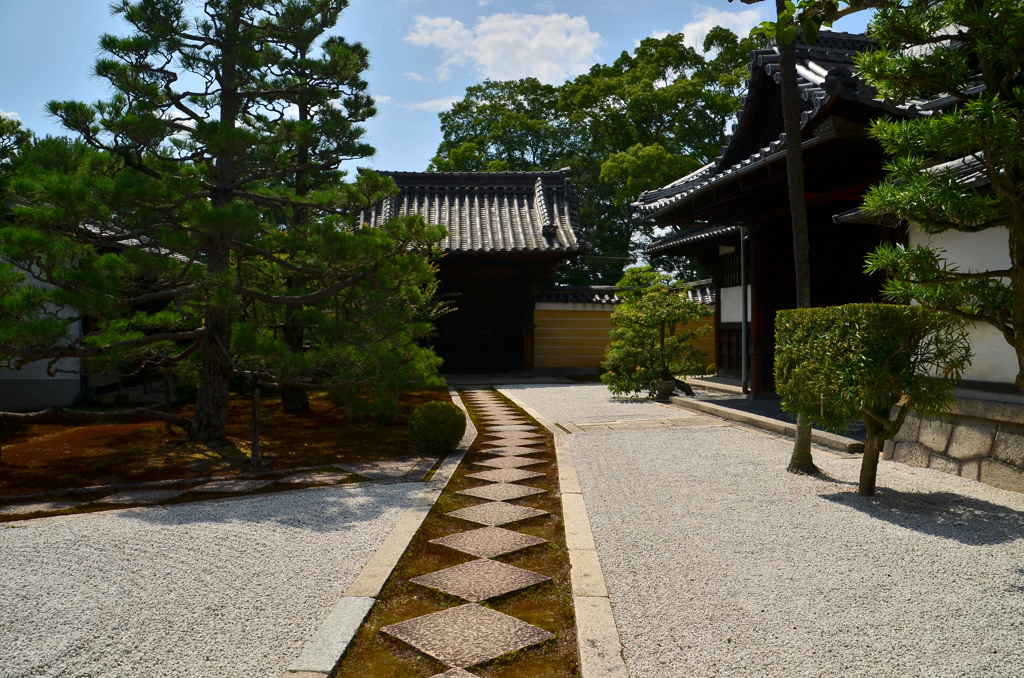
(707, 18)
(508, 46)
(434, 105)
(483, 3)
(382, 99)
(10, 114)
(416, 76)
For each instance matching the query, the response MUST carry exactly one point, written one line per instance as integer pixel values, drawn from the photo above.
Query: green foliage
(617, 126)
(654, 333)
(191, 222)
(958, 169)
(436, 427)
(859, 361)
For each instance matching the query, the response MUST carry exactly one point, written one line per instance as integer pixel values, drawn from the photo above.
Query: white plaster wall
(994, 359)
(731, 299)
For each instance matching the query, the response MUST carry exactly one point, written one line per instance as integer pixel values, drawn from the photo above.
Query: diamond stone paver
(512, 451)
(509, 462)
(502, 491)
(467, 635)
(496, 513)
(232, 486)
(480, 579)
(512, 427)
(488, 542)
(505, 475)
(454, 673)
(37, 507)
(140, 496)
(514, 436)
(311, 478)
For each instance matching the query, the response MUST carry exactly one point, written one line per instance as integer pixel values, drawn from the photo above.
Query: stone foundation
(983, 440)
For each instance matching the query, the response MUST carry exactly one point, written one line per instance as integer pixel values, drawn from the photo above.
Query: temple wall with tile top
(982, 440)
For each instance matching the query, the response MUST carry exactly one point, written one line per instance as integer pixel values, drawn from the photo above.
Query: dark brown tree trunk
(256, 422)
(869, 465)
(801, 460)
(210, 423)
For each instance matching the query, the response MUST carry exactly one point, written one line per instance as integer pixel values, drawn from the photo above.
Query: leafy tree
(625, 127)
(868, 361)
(655, 327)
(960, 170)
(207, 199)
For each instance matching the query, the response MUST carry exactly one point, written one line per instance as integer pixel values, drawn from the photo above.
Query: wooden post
(168, 395)
(255, 422)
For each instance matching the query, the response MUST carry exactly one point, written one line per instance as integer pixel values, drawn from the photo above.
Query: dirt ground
(53, 458)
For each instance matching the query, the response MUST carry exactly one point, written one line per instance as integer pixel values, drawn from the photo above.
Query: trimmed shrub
(868, 361)
(655, 327)
(436, 427)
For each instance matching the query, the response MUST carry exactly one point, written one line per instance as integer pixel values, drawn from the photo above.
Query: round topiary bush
(436, 427)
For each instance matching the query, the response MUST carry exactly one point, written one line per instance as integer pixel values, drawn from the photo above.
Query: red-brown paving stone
(467, 635)
(512, 451)
(509, 462)
(480, 579)
(496, 513)
(505, 475)
(488, 542)
(502, 491)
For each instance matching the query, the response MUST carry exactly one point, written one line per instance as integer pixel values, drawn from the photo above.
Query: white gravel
(720, 563)
(583, 403)
(213, 588)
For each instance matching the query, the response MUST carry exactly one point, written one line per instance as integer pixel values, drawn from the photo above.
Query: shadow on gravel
(970, 521)
(341, 509)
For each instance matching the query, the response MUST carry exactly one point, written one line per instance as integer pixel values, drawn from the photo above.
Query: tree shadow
(948, 515)
(318, 509)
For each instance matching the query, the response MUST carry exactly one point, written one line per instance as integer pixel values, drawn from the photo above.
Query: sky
(424, 53)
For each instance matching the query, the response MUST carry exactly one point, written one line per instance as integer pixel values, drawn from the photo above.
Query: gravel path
(719, 563)
(583, 403)
(213, 588)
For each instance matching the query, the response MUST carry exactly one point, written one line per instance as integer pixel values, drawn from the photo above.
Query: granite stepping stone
(512, 427)
(37, 507)
(502, 491)
(480, 579)
(503, 420)
(488, 542)
(312, 478)
(512, 451)
(140, 496)
(505, 475)
(509, 462)
(514, 436)
(496, 513)
(232, 486)
(467, 635)
(454, 673)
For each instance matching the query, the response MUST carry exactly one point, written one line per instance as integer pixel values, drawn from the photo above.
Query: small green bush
(868, 361)
(436, 427)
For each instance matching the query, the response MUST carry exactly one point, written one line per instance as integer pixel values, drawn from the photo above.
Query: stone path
(471, 634)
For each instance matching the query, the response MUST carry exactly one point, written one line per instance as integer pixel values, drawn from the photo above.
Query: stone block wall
(983, 440)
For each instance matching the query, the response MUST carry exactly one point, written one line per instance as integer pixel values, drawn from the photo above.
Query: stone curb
(597, 636)
(823, 438)
(331, 640)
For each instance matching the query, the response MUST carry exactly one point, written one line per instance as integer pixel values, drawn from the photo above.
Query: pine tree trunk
(210, 423)
(869, 465)
(801, 461)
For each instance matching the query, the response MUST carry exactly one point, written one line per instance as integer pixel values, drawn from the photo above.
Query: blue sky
(424, 53)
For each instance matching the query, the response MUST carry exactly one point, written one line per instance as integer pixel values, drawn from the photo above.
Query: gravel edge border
(596, 633)
(329, 643)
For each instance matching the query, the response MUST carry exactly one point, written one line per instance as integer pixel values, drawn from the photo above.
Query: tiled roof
(691, 235)
(824, 70)
(510, 212)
